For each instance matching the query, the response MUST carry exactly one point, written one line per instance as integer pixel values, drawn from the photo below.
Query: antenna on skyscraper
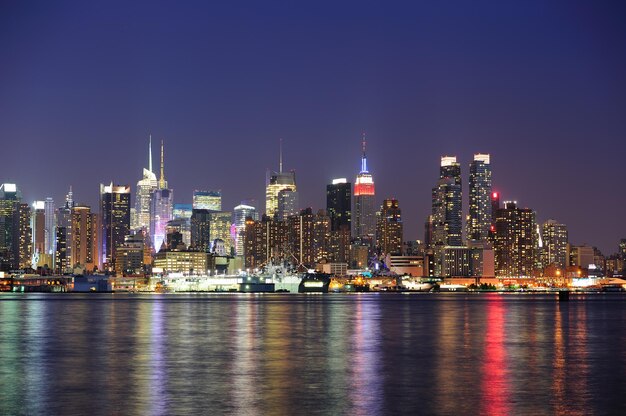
(150, 154)
(363, 158)
(162, 178)
(280, 156)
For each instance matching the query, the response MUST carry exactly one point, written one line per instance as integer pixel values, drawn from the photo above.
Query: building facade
(114, 221)
(480, 216)
(515, 241)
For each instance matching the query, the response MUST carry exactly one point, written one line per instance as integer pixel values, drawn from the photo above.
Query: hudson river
(336, 354)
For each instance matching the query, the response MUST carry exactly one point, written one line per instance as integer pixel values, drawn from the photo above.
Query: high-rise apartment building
(364, 218)
(447, 205)
(515, 241)
(339, 209)
(389, 230)
(63, 259)
(554, 236)
(23, 238)
(479, 220)
(50, 229)
(114, 220)
(84, 241)
(265, 242)
(10, 198)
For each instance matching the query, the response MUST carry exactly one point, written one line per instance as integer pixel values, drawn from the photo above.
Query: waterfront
(317, 354)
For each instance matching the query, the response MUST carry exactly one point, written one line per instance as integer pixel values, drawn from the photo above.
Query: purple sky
(542, 87)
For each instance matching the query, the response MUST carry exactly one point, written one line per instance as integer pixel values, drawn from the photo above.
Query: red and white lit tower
(364, 220)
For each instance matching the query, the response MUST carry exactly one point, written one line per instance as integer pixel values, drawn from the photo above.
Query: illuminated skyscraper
(63, 259)
(145, 187)
(201, 229)
(446, 205)
(555, 240)
(211, 200)
(9, 199)
(241, 212)
(182, 211)
(364, 218)
(219, 229)
(339, 209)
(38, 226)
(515, 241)
(84, 242)
(23, 238)
(480, 216)
(287, 204)
(389, 228)
(161, 207)
(276, 182)
(50, 214)
(115, 220)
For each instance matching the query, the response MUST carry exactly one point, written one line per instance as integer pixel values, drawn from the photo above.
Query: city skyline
(528, 84)
(410, 235)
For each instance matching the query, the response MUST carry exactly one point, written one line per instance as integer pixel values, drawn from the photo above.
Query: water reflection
(361, 354)
(365, 385)
(495, 382)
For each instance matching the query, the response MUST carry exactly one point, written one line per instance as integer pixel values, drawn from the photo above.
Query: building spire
(364, 157)
(280, 156)
(162, 183)
(150, 154)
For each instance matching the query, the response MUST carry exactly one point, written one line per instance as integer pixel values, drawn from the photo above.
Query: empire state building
(364, 219)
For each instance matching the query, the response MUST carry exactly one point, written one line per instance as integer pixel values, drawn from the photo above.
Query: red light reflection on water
(495, 384)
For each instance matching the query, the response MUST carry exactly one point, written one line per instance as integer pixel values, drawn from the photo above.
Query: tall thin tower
(145, 187)
(364, 220)
(161, 207)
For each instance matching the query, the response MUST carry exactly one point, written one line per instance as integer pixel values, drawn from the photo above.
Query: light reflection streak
(365, 391)
(158, 374)
(244, 362)
(495, 384)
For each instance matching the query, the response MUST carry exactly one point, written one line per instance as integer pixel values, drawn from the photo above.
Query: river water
(335, 354)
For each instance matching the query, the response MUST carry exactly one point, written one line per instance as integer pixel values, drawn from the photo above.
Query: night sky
(539, 85)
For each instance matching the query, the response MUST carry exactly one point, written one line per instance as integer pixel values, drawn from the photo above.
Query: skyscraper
(389, 228)
(50, 214)
(201, 229)
(446, 204)
(288, 203)
(479, 221)
(339, 204)
(38, 226)
(276, 182)
(10, 198)
(339, 209)
(211, 200)
(515, 241)
(241, 212)
(84, 242)
(161, 208)
(555, 240)
(23, 239)
(145, 187)
(63, 259)
(219, 229)
(115, 220)
(364, 218)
